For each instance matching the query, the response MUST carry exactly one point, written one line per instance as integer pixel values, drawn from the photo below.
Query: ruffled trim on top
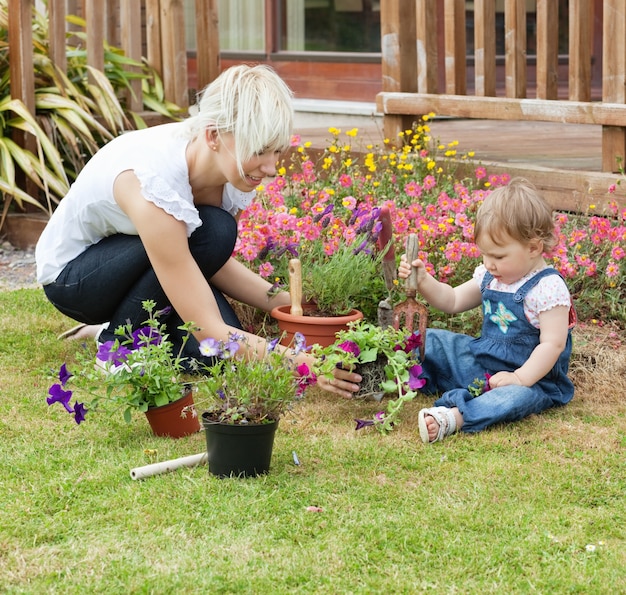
(234, 200)
(159, 192)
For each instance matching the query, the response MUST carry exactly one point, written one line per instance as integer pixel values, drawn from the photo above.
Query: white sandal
(443, 416)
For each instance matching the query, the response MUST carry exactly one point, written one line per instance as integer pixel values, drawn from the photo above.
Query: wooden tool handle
(412, 249)
(295, 286)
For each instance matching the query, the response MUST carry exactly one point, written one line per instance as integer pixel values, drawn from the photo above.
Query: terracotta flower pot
(316, 329)
(170, 420)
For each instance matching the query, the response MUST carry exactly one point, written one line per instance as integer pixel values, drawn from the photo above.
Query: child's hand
(504, 379)
(404, 269)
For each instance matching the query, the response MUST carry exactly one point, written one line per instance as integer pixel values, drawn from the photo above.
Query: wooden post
(22, 85)
(56, 31)
(426, 48)
(454, 43)
(94, 13)
(207, 42)
(130, 33)
(580, 43)
(485, 47)
(399, 58)
(174, 52)
(614, 81)
(547, 49)
(153, 35)
(515, 48)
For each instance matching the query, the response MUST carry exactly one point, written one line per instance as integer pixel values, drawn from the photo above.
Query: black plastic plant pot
(238, 450)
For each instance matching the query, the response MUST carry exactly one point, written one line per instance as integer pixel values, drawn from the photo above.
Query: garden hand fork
(410, 313)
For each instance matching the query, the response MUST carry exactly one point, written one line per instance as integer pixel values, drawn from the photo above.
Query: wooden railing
(413, 85)
(156, 25)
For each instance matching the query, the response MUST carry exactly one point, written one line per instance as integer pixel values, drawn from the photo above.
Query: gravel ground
(17, 267)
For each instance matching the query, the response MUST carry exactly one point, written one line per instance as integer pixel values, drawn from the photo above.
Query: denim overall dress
(453, 361)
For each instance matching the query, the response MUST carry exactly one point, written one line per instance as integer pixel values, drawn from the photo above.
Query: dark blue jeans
(111, 279)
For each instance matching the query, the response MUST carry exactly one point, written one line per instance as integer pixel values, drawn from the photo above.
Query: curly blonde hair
(516, 211)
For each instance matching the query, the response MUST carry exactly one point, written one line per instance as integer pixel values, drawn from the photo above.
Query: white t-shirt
(550, 292)
(89, 213)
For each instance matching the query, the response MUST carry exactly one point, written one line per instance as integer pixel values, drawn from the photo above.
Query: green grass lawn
(533, 507)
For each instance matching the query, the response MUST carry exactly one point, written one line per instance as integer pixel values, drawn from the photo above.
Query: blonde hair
(517, 211)
(253, 104)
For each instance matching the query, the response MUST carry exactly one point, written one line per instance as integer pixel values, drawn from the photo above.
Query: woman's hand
(343, 383)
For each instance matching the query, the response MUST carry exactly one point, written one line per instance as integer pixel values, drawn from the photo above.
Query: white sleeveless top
(89, 213)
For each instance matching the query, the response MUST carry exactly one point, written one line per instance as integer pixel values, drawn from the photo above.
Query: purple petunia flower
(350, 347)
(79, 412)
(64, 375)
(363, 423)
(58, 395)
(106, 353)
(415, 382)
(146, 335)
(413, 342)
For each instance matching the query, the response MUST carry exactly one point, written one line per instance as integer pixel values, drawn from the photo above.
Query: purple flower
(413, 342)
(415, 382)
(363, 423)
(350, 347)
(210, 347)
(58, 395)
(79, 412)
(299, 342)
(64, 374)
(146, 335)
(271, 345)
(165, 312)
(230, 349)
(107, 353)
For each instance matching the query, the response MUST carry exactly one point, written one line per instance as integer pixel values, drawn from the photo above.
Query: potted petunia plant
(244, 398)
(387, 359)
(138, 371)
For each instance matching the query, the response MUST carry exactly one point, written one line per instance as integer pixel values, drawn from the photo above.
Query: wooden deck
(564, 160)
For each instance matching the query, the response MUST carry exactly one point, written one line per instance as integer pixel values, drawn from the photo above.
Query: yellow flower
(334, 131)
(471, 153)
(307, 144)
(333, 149)
(348, 162)
(592, 207)
(293, 210)
(282, 171)
(431, 165)
(352, 132)
(260, 188)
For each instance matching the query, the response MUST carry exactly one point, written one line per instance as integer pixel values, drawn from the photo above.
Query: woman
(153, 215)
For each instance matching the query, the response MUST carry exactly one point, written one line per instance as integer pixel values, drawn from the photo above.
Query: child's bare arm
(553, 338)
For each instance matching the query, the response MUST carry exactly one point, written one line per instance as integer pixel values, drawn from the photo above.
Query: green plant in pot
(387, 359)
(136, 372)
(327, 284)
(243, 400)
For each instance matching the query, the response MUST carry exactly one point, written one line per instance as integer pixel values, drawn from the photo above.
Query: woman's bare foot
(82, 331)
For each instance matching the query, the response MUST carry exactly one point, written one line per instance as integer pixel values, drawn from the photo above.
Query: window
(330, 25)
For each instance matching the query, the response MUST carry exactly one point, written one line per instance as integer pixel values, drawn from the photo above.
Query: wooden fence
(156, 26)
(413, 84)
